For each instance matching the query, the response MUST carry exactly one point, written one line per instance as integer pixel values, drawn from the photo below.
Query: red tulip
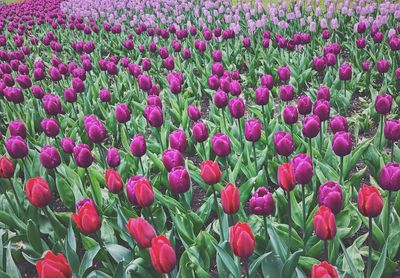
(54, 266)
(6, 168)
(113, 181)
(323, 270)
(38, 192)
(370, 202)
(230, 199)
(286, 177)
(210, 172)
(144, 193)
(324, 223)
(87, 218)
(162, 255)
(242, 240)
(141, 231)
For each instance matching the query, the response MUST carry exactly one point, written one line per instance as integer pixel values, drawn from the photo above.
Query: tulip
(38, 192)
(52, 105)
(330, 195)
(67, 145)
(200, 132)
(290, 115)
(392, 133)
(230, 199)
(242, 240)
(341, 143)
(262, 202)
(162, 255)
(220, 99)
(153, 115)
(366, 65)
(172, 158)
(105, 95)
(70, 95)
(50, 157)
(319, 63)
(122, 113)
(383, 105)
(50, 127)
(283, 143)
(179, 180)
(6, 168)
(382, 66)
(194, 113)
(154, 100)
(177, 140)
(113, 159)
(210, 172)
(113, 181)
(267, 81)
(83, 155)
(236, 108)
(284, 73)
(138, 145)
(345, 72)
(86, 218)
(286, 92)
(286, 177)
(338, 123)
(16, 147)
(304, 105)
(141, 231)
(324, 223)
(323, 270)
(221, 144)
(53, 266)
(322, 109)
(17, 128)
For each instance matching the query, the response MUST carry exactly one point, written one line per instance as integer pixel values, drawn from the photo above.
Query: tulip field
(209, 138)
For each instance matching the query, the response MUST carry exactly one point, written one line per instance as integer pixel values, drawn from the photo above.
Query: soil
(27, 269)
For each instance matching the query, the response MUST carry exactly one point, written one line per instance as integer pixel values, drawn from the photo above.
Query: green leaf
(87, 259)
(290, 266)
(380, 265)
(33, 236)
(353, 269)
(227, 260)
(277, 245)
(119, 252)
(256, 263)
(72, 257)
(65, 192)
(11, 267)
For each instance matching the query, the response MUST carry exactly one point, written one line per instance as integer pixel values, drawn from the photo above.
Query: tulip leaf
(119, 252)
(11, 267)
(380, 265)
(6, 219)
(226, 259)
(65, 192)
(33, 235)
(256, 263)
(349, 261)
(87, 259)
(72, 257)
(290, 266)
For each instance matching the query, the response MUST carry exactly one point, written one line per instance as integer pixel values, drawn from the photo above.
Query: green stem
(381, 132)
(290, 223)
(369, 246)
(392, 152)
(265, 122)
(304, 211)
(15, 194)
(10, 202)
(93, 191)
(326, 250)
(141, 166)
(265, 229)
(218, 214)
(158, 131)
(341, 173)
(255, 156)
(223, 117)
(321, 137)
(388, 215)
(152, 219)
(227, 168)
(204, 150)
(310, 147)
(240, 133)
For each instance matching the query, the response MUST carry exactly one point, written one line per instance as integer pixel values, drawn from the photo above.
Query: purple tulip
(262, 202)
(361, 43)
(179, 180)
(70, 95)
(304, 105)
(122, 113)
(220, 99)
(153, 115)
(303, 168)
(382, 66)
(252, 130)
(267, 81)
(216, 55)
(322, 109)
(83, 155)
(341, 143)
(235, 88)
(383, 104)
(50, 157)
(154, 100)
(392, 130)
(345, 72)
(330, 195)
(311, 126)
(177, 140)
(284, 73)
(323, 93)
(24, 81)
(217, 69)
(286, 92)
(338, 123)
(13, 94)
(105, 95)
(319, 63)
(52, 105)
(290, 115)
(68, 145)
(366, 65)
(221, 144)
(236, 108)
(200, 132)
(213, 82)
(144, 82)
(138, 145)
(17, 128)
(172, 158)
(194, 112)
(262, 96)
(78, 85)
(37, 91)
(283, 143)
(50, 127)
(113, 159)
(94, 128)
(16, 147)
(389, 178)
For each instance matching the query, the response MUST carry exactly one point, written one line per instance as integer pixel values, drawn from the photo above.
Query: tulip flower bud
(153, 115)
(162, 255)
(194, 113)
(370, 202)
(236, 108)
(83, 155)
(105, 95)
(366, 65)
(262, 96)
(86, 218)
(177, 140)
(122, 113)
(322, 109)
(24, 81)
(221, 144)
(230, 199)
(338, 123)
(143, 193)
(361, 43)
(6, 168)
(286, 92)
(323, 93)
(50, 127)
(179, 180)
(284, 73)
(217, 69)
(70, 95)
(113, 159)
(330, 59)
(172, 158)
(283, 143)
(262, 202)
(94, 128)
(286, 177)
(389, 178)
(55, 74)
(113, 181)
(38, 192)
(154, 100)
(323, 270)
(341, 143)
(383, 104)
(138, 145)
(242, 240)
(16, 147)
(252, 130)
(210, 172)
(267, 81)
(319, 63)
(17, 128)
(14, 95)
(290, 115)
(67, 145)
(37, 91)
(52, 105)
(144, 82)
(200, 132)
(345, 72)
(220, 99)
(303, 168)
(382, 66)
(235, 88)
(304, 105)
(213, 82)
(53, 266)
(324, 223)
(392, 130)
(397, 73)
(141, 231)
(311, 126)
(50, 157)
(330, 195)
